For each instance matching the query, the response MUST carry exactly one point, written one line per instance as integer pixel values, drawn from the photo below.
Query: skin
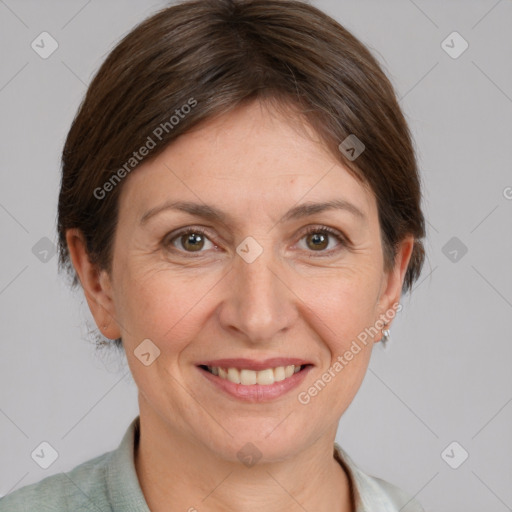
(294, 300)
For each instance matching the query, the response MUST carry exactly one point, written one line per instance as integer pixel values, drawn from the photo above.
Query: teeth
(234, 375)
(251, 377)
(279, 374)
(248, 377)
(265, 377)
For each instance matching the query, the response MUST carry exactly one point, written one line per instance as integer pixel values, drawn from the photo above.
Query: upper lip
(251, 364)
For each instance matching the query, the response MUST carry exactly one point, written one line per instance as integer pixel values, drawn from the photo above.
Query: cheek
(343, 315)
(346, 305)
(166, 309)
(163, 306)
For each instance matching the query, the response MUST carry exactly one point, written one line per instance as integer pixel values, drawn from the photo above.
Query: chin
(253, 442)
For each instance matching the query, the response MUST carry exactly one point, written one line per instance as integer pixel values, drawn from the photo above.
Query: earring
(386, 336)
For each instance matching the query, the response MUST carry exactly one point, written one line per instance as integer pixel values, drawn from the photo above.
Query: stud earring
(386, 336)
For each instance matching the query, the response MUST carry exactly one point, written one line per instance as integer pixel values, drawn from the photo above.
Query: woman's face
(254, 286)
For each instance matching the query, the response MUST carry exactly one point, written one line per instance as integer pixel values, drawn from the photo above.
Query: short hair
(216, 55)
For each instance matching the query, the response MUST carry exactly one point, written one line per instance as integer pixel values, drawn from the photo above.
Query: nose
(260, 305)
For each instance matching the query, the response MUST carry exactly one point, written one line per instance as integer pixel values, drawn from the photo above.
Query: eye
(191, 240)
(317, 238)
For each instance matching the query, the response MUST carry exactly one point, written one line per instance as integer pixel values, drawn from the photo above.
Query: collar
(124, 492)
(371, 493)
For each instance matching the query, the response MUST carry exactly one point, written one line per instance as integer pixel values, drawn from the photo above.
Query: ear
(391, 288)
(96, 284)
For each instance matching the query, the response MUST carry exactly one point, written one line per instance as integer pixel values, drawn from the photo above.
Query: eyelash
(310, 230)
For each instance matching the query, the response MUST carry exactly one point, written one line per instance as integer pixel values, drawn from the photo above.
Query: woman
(240, 203)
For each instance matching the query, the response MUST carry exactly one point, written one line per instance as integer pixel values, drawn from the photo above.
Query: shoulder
(98, 485)
(373, 493)
(81, 489)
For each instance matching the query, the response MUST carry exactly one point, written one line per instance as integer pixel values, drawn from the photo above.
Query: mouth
(254, 381)
(247, 377)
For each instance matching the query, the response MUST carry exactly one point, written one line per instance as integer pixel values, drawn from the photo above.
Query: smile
(247, 377)
(261, 382)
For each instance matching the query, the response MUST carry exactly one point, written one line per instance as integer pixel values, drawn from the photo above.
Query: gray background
(446, 376)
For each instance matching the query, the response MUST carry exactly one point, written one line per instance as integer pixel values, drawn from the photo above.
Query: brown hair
(219, 54)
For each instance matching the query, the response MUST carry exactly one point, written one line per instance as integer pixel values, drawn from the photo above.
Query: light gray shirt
(109, 483)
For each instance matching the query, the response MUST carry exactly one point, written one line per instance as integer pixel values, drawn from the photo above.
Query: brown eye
(192, 241)
(188, 241)
(318, 240)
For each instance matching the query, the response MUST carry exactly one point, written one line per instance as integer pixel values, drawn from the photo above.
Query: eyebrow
(211, 213)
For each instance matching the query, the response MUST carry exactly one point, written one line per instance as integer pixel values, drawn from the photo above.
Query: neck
(178, 474)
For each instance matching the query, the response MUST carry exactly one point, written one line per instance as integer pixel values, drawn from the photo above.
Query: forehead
(250, 160)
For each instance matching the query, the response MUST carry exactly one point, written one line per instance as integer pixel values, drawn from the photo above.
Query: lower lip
(257, 392)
